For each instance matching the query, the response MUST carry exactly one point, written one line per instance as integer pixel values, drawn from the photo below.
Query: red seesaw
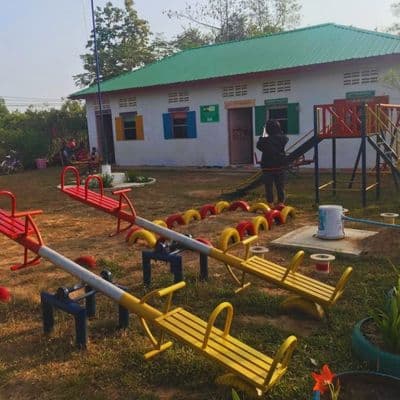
(19, 226)
(99, 200)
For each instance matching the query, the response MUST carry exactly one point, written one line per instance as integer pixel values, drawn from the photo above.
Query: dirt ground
(31, 363)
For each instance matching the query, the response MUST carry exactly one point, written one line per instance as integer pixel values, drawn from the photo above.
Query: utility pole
(99, 99)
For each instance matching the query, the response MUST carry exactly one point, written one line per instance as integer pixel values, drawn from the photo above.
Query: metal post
(90, 302)
(99, 99)
(353, 175)
(47, 313)
(334, 166)
(363, 155)
(316, 160)
(378, 175)
(203, 267)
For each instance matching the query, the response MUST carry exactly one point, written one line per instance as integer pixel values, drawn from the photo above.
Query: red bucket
(41, 163)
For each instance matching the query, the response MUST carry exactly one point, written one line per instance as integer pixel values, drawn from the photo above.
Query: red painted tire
(130, 232)
(174, 218)
(205, 241)
(88, 262)
(279, 207)
(245, 228)
(239, 204)
(5, 295)
(274, 216)
(207, 209)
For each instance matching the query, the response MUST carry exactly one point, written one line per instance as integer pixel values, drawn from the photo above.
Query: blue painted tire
(378, 360)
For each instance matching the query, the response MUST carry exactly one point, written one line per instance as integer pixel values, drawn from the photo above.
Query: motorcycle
(11, 163)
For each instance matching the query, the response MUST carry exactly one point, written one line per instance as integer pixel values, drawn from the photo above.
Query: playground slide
(299, 149)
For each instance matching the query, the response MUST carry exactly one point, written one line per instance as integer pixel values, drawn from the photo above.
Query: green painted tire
(378, 360)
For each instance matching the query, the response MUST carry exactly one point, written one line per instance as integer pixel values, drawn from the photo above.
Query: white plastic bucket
(330, 222)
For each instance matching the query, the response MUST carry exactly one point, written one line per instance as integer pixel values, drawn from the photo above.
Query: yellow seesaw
(249, 369)
(311, 295)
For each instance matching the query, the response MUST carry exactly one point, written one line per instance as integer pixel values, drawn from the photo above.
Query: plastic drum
(330, 224)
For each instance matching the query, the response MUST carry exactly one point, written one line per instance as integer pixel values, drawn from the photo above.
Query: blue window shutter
(167, 120)
(191, 122)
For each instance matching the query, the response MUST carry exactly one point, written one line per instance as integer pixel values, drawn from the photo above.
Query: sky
(41, 40)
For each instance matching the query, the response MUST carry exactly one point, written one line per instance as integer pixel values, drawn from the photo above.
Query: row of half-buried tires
(247, 227)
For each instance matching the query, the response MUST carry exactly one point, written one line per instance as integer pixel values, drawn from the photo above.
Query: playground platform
(305, 238)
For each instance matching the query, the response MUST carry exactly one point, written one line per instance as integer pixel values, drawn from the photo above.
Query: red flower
(323, 379)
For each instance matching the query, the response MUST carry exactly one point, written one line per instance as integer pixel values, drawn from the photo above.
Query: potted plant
(376, 340)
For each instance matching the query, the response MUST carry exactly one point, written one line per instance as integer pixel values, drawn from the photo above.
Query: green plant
(235, 395)
(107, 181)
(388, 320)
(132, 177)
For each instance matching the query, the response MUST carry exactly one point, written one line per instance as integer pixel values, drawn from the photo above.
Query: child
(272, 145)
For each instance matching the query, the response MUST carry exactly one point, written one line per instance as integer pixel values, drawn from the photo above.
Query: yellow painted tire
(296, 303)
(160, 222)
(190, 215)
(221, 206)
(260, 223)
(263, 207)
(287, 212)
(145, 235)
(228, 237)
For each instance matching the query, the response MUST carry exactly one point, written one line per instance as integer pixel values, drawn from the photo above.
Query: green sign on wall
(276, 102)
(365, 94)
(209, 113)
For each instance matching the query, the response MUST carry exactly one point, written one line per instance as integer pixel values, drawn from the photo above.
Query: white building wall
(311, 86)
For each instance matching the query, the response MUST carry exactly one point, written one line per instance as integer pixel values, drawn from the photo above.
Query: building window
(178, 97)
(126, 102)
(179, 124)
(360, 77)
(287, 115)
(281, 86)
(279, 114)
(234, 91)
(129, 126)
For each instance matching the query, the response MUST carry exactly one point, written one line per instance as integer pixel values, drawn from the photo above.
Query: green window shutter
(261, 113)
(293, 119)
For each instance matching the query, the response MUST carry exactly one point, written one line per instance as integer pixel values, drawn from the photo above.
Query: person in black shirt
(272, 145)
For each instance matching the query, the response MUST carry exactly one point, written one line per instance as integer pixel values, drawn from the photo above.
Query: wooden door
(240, 125)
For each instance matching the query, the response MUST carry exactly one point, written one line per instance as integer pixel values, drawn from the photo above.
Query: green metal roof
(301, 47)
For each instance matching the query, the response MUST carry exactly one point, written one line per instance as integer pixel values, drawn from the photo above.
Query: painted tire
(221, 206)
(5, 295)
(263, 207)
(228, 236)
(160, 222)
(239, 204)
(379, 360)
(204, 241)
(191, 215)
(245, 228)
(207, 209)
(88, 262)
(287, 212)
(131, 231)
(274, 216)
(260, 223)
(174, 218)
(146, 236)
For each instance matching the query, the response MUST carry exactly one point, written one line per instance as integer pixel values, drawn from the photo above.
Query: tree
(123, 42)
(190, 38)
(237, 19)
(3, 108)
(395, 28)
